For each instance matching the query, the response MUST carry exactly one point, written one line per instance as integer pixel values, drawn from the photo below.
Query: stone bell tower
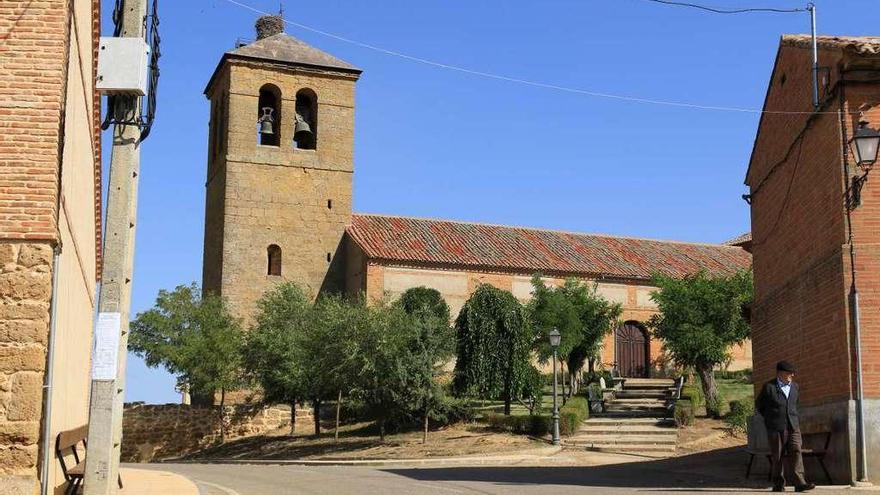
(278, 188)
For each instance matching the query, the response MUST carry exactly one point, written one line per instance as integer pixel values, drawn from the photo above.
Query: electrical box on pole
(123, 65)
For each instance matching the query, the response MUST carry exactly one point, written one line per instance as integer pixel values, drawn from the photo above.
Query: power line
(527, 82)
(728, 11)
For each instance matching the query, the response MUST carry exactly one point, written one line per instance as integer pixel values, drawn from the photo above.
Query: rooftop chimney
(269, 25)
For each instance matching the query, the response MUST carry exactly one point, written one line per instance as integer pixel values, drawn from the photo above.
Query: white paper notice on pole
(104, 361)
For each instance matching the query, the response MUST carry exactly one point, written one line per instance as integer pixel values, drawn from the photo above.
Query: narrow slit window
(329, 204)
(274, 260)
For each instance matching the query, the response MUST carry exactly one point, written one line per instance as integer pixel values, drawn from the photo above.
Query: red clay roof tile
(420, 241)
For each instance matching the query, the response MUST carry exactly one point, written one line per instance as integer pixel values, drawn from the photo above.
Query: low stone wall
(156, 432)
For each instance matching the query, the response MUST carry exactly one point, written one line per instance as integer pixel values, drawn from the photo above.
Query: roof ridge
(539, 229)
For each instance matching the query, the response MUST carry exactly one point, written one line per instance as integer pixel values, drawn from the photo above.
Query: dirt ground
(358, 442)
(705, 435)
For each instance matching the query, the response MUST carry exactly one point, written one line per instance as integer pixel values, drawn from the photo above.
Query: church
(279, 207)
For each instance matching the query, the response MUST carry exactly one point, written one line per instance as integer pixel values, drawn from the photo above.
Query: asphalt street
(624, 479)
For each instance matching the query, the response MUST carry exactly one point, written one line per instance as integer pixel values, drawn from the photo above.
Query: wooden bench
(72, 443)
(758, 447)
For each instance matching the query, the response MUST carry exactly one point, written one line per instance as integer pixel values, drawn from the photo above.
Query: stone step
(632, 414)
(651, 382)
(627, 430)
(639, 394)
(623, 440)
(639, 401)
(629, 422)
(625, 449)
(636, 407)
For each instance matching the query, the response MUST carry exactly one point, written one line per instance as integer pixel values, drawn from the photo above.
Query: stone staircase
(636, 422)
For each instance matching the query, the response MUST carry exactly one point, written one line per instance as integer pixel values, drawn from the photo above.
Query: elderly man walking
(778, 404)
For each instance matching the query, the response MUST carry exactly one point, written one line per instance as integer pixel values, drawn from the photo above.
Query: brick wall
(156, 432)
(32, 69)
(799, 229)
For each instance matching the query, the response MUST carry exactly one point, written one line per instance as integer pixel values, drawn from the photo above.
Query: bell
(265, 121)
(266, 127)
(302, 129)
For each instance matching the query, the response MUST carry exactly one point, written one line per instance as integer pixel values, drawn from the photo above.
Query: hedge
(738, 417)
(571, 415)
(694, 394)
(684, 413)
(536, 425)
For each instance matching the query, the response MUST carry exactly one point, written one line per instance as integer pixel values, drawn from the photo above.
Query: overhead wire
(527, 82)
(729, 11)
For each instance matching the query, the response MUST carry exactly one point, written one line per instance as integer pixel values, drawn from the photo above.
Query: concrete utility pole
(111, 331)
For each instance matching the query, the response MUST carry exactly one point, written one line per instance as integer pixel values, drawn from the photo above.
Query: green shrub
(536, 424)
(713, 408)
(452, 410)
(684, 413)
(593, 377)
(694, 394)
(738, 417)
(741, 375)
(572, 414)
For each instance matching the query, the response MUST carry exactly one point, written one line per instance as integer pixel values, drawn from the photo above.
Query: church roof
(288, 50)
(861, 45)
(417, 241)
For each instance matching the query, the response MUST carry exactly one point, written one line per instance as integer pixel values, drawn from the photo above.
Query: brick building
(278, 207)
(799, 175)
(50, 158)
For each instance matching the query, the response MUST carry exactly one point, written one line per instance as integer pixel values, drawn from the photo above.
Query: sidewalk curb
(437, 461)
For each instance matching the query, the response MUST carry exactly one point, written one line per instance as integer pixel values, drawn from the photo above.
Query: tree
(424, 298)
(272, 353)
(429, 346)
(700, 317)
(493, 343)
(193, 337)
(581, 315)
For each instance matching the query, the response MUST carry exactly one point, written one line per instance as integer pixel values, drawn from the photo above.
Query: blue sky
(437, 143)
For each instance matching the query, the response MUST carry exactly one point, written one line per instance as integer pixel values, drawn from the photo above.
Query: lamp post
(865, 144)
(555, 338)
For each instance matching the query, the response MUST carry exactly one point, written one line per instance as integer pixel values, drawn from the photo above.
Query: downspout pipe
(47, 382)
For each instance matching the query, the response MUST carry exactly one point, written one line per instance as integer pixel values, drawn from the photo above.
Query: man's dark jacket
(779, 413)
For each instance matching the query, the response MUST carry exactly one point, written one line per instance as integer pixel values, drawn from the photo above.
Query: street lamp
(555, 338)
(865, 144)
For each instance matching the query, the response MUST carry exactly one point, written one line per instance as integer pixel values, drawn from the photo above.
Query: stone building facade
(50, 197)
(272, 195)
(276, 212)
(800, 177)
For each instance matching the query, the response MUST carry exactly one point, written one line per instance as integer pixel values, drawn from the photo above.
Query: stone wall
(156, 432)
(25, 286)
(261, 195)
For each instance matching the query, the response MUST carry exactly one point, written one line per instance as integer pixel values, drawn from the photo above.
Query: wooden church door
(631, 350)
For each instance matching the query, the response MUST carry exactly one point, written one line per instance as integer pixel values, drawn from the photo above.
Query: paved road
(623, 479)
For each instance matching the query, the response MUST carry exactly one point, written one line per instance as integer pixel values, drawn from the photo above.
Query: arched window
(269, 116)
(274, 258)
(305, 135)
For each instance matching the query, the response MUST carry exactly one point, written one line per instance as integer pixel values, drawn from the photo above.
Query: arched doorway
(632, 350)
